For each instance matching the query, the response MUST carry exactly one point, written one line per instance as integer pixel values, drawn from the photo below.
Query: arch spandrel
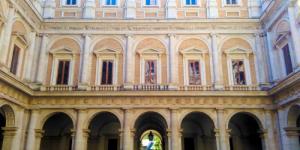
(254, 114)
(209, 114)
(163, 114)
(45, 115)
(92, 114)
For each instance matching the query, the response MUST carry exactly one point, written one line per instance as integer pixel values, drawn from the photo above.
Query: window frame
(102, 55)
(239, 54)
(105, 5)
(56, 58)
(156, 71)
(198, 55)
(198, 3)
(145, 5)
(64, 3)
(239, 3)
(57, 70)
(150, 54)
(21, 42)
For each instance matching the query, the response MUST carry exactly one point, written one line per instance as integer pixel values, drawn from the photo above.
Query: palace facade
(150, 74)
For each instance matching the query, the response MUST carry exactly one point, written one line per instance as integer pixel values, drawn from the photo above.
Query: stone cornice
(291, 80)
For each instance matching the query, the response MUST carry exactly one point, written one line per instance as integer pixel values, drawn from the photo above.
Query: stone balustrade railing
(242, 88)
(106, 88)
(196, 88)
(150, 87)
(59, 88)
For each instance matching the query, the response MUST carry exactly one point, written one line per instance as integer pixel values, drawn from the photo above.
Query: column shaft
(29, 58)
(174, 131)
(85, 71)
(216, 65)
(6, 36)
(31, 137)
(128, 137)
(261, 75)
(80, 141)
(223, 142)
(129, 61)
(173, 61)
(270, 130)
(295, 37)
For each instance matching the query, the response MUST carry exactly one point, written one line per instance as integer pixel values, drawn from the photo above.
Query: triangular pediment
(238, 50)
(150, 51)
(62, 50)
(193, 50)
(105, 51)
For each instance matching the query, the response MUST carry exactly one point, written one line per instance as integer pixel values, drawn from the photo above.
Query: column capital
(129, 35)
(9, 131)
(85, 35)
(213, 34)
(171, 35)
(43, 34)
(39, 133)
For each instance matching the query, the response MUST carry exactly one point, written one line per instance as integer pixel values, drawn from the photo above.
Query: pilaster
(295, 36)
(171, 9)
(254, 8)
(31, 134)
(89, 10)
(49, 9)
(6, 35)
(8, 136)
(173, 62)
(129, 63)
(212, 9)
(175, 130)
(86, 62)
(269, 123)
(259, 61)
(128, 133)
(217, 82)
(223, 135)
(43, 60)
(30, 57)
(130, 9)
(80, 141)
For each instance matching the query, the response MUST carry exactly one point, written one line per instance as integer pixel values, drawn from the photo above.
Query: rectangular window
(107, 72)
(63, 72)
(190, 2)
(287, 59)
(151, 2)
(231, 2)
(150, 72)
(238, 71)
(15, 60)
(71, 2)
(111, 2)
(194, 72)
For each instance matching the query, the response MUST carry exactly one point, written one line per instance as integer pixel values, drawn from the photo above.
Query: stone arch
(282, 27)
(104, 127)
(94, 114)
(160, 44)
(198, 132)
(58, 130)
(238, 48)
(156, 49)
(245, 131)
(150, 121)
(253, 114)
(7, 126)
(292, 130)
(45, 116)
(107, 48)
(9, 115)
(207, 113)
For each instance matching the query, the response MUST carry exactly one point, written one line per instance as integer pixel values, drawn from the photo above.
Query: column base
(128, 86)
(84, 87)
(218, 86)
(173, 87)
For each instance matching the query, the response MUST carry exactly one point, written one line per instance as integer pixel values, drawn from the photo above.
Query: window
(287, 59)
(15, 60)
(71, 2)
(111, 2)
(238, 72)
(194, 72)
(190, 2)
(63, 72)
(231, 2)
(151, 2)
(150, 72)
(107, 72)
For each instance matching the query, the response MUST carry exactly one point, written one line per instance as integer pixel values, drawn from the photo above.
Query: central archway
(57, 133)
(198, 132)
(151, 122)
(245, 132)
(104, 132)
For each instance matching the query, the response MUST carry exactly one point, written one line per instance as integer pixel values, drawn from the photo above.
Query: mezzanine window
(190, 2)
(238, 72)
(110, 2)
(287, 59)
(107, 72)
(194, 72)
(150, 72)
(63, 72)
(231, 2)
(71, 2)
(15, 60)
(151, 2)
